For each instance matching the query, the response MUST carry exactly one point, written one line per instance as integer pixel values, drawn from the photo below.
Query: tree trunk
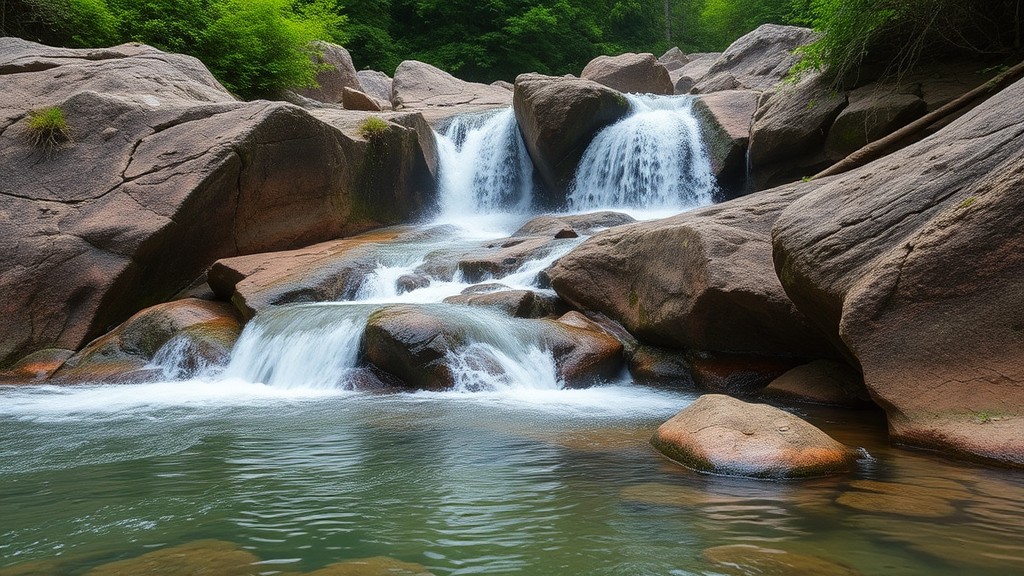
(668, 22)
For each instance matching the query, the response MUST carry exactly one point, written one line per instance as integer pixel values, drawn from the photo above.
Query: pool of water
(517, 482)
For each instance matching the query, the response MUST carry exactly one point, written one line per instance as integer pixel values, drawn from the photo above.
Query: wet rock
(515, 303)
(641, 73)
(190, 335)
(558, 117)
(735, 374)
(725, 119)
(821, 382)
(874, 112)
(971, 548)
(899, 260)
(356, 100)
(749, 559)
(702, 280)
(376, 566)
(585, 224)
(165, 174)
(418, 85)
(566, 233)
(35, 367)
(757, 61)
(410, 282)
(723, 435)
(656, 365)
(195, 558)
(337, 75)
(485, 288)
(503, 257)
(916, 501)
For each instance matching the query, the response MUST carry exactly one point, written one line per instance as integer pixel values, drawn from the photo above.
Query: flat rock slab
(723, 435)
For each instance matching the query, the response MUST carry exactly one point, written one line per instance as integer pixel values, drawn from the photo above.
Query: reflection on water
(461, 484)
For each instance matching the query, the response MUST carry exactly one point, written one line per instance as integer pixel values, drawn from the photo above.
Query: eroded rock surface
(757, 61)
(630, 72)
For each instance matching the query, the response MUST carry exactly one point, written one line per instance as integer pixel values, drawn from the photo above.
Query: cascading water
(654, 158)
(484, 166)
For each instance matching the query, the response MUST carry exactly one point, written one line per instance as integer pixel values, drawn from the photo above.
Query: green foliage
(373, 129)
(48, 129)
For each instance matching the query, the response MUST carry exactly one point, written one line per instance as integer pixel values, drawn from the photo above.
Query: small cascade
(484, 166)
(654, 158)
(305, 346)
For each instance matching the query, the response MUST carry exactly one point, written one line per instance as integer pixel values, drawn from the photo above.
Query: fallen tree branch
(883, 146)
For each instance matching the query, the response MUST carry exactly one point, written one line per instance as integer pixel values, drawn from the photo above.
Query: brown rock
(673, 59)
(201, 334)
(725, 119)
(748, 559)
(913, 263)
(417, 85)
(558, 117)
(702, 280)
(585, 224)
(685, 78)
(164, 176)
(515, 303)
(902, 499)
(722, 435)
(503, 257)
(35, 367)
(660, 366)
(375, 84)
(199, 557)
(756, 61)
(337, 74)
(735, 374)
(376, 566)
(874, 112)
(356, 100)
(821, 382)
(630, 72)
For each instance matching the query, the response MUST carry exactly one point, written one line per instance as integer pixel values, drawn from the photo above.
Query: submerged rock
(188, 335)
(913, 264)
(558, 117)
(723, 435)
(641, 73)
(749, 559)
(376, 566)
(195, 558)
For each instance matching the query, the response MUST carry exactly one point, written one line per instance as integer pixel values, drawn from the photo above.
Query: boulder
(419, 344)
(913, 264)
(735, 374)
(655, 365)
(585, 224)
(35, 367)
(685, 78)
(418, 85)
(821, 382)
(757, 61)
(503, 257)
(356, 100)
(165, 174)
(375, 84)
(640, 73)
(874, 112)
(673, 59)
(725, 119)
(184, 338)
(504, 84)
(702, 280)
(790, 126)
(558, 117)
(336, 74)
(515, 303)
(722, 435)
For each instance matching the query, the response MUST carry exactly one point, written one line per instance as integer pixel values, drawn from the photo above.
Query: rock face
(420, 344)
(723, 435)
(756, 61)
(914, 263)
(417, 86)
(338, 73)
(821, 382)
(165, 174)
(725, 119)
(186, 335)
(874, 112)
(375, 84)
(701, 280)
(790, 127)
(685, 78)
(630, 72)
(558, 117)
(356, 100)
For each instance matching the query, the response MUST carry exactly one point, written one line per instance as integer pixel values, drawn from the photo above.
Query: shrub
(373, 129)
(48, 129)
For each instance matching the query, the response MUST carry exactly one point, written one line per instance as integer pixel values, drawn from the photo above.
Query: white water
(653, 159)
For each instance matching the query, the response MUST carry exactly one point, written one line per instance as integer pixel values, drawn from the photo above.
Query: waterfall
(484, 166)
(654, 158)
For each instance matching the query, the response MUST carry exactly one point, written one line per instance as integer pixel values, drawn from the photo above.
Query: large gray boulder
(914, 264)
(673, 59)
(875, 111)
(701, 280)
(687, 76)
(630, 72)
(337, 73)
(725, 118)
(376, 84)
(558, 118)
(419, 86)
(165, 173)
(723, 435)
(757, 61)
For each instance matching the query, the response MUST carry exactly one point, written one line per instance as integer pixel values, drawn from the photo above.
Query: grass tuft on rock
(48, 129)
(373, 128)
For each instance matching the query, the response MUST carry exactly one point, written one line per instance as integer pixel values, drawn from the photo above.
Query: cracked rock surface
(914, 264)
(164, 174)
